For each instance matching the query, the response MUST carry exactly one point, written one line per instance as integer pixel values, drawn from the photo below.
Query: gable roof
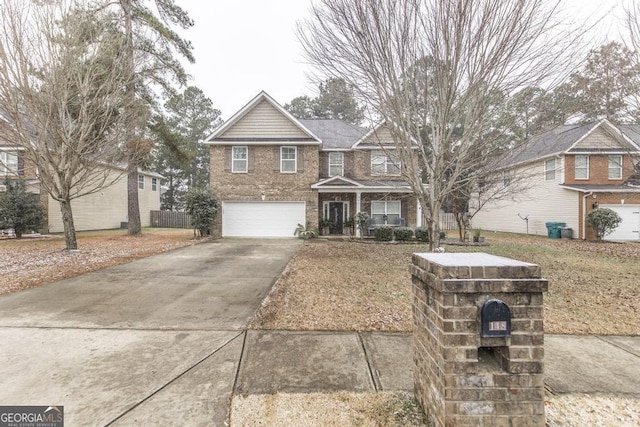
(566, 139)
(285, 127)
(363, 141)
(334, 133)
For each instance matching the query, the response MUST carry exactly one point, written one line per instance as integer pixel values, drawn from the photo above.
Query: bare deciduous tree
(431, 68)
(62, 91)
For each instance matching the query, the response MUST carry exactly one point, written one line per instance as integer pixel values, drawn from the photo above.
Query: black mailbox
(495, 318)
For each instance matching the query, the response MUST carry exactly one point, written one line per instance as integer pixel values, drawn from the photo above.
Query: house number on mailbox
(495, 317)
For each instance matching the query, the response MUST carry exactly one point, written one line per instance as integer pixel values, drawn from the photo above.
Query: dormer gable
(603, 138)
(379, 136)
(262, 121)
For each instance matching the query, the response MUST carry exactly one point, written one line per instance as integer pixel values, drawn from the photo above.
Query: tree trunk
(133, 206)
(69, 228)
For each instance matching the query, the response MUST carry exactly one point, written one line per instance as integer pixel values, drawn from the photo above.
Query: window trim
(585, 167)
(550, 174)
(5, 166)
(386, 208)
(619, 168)
(283, 160)
(390, 168)
(234, 159)
(154, 184)
(141, 182)
(341, 164)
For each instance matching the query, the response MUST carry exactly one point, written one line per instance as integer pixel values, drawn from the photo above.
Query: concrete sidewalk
(300, 362)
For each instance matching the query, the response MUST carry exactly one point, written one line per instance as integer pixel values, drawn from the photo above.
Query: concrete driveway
(117, 346)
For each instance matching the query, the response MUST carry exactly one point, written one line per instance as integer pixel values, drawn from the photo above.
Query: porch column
(358, 209)
(418, 214)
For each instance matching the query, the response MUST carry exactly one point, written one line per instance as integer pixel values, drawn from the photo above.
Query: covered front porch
(389, 203)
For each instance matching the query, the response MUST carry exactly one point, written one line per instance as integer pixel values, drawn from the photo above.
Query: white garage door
(261, 219)
(629, 228)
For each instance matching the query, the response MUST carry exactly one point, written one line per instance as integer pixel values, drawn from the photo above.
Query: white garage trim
(629, 228)
(261, 219)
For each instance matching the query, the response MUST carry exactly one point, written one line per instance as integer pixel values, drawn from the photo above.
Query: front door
(336, 213)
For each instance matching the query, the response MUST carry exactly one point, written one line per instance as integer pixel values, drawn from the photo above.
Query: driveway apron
(156, 341)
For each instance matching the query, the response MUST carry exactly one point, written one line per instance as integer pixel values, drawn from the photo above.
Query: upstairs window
(383, 164)
(506, 178)
(615, 166)
(288, 159)
(154, 184)
(8, 163)
(140, 182)
(550, 170)
(336, 164)
(582, 167)
(239, 159)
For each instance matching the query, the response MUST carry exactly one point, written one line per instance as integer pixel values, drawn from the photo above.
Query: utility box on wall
(478, 339)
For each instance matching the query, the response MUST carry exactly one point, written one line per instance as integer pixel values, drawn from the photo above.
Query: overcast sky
(245, 46)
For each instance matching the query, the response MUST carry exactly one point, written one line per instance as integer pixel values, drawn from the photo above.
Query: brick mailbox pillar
(478, 339)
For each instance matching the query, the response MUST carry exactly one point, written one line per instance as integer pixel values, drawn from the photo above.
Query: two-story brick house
(572, 169)
(272, 171)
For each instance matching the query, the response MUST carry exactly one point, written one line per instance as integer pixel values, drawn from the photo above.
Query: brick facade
(265, 179)
(598, 170)
(462, 378)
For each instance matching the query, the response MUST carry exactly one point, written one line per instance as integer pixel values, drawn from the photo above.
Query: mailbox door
(495, 318)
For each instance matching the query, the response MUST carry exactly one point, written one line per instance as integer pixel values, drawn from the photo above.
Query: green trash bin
(554, 229)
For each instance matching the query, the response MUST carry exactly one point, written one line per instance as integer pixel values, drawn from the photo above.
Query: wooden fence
(448, 221)
(170, 219)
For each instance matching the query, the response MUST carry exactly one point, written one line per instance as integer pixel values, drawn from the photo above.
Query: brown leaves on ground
(342, 286)
(382, 409)
(30, 262)
(336, 285)
(578, 410)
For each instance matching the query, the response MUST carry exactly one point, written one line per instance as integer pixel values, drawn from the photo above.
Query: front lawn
(30, 262)
(335, 285)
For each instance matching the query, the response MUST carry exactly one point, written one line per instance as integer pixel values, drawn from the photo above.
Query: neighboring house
(102, 210)
(572, 170)
(107, 208)
(272, 172)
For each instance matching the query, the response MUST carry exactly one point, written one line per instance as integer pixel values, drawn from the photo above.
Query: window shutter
(276, 159)
(227, 158)
(251, 159)
(20, 163)
(367, 167)
(300, 159)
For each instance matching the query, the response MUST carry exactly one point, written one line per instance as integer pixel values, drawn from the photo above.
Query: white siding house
(570, 171)
(543, 201)
(107, 208)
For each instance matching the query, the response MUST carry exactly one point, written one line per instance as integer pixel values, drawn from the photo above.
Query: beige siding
(543, 201)
(107, 208)
(382, 136)
(149, 200)
(599, 139)
(264, 121)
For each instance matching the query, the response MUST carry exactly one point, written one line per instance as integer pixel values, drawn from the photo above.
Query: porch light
(595, 205)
